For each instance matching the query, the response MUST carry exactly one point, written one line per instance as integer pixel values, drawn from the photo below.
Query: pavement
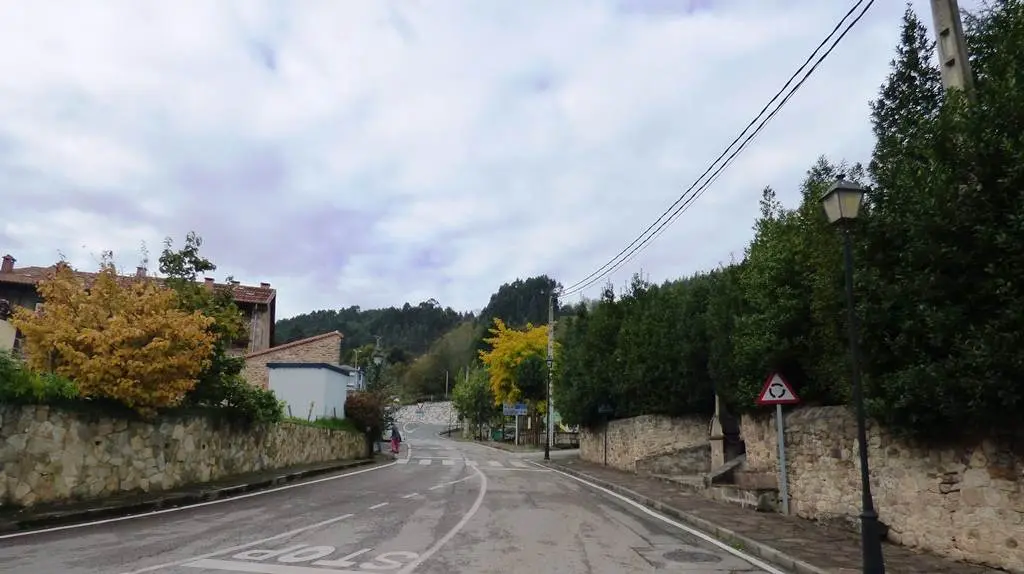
(468, 509)
(798, 545)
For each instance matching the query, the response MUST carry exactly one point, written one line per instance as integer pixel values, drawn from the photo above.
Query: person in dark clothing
(396, 439)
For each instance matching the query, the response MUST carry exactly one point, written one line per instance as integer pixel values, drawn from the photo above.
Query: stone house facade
(258, 304)
(325, 348)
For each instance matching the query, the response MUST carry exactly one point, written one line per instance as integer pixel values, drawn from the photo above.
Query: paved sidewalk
(138, 503)
(798, 545)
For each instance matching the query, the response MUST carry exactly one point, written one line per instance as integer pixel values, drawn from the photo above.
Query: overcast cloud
(376, 152)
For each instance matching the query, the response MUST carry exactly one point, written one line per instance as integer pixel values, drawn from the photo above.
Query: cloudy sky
(375, 152)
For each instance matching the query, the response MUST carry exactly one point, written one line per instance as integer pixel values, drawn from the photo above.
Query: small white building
(356, 378)
(310, 390)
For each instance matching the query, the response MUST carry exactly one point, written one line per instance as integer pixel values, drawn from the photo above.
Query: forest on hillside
(420, 343)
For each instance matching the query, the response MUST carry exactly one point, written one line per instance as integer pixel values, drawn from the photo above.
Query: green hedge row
(939, 273)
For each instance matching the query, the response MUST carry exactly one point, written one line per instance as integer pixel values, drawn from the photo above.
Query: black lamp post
(842, 205)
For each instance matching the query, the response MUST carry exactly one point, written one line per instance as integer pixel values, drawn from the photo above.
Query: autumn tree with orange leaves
(516, 363)
(116, 337)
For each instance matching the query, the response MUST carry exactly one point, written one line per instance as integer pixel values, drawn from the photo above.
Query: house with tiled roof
(257, 303)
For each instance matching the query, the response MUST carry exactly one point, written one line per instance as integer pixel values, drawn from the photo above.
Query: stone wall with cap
(964, 501)
(53, 456)
(634, 439)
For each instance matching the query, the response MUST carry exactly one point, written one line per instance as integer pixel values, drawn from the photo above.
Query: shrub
(19, 385)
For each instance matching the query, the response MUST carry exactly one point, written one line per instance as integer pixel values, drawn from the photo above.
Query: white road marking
(493, 463)
(192, 506)
(402, 461)
(381, 505)
(410, 567)
(518, 464)
(257, 568)
(287, 534)
(411, 495)
(709, 539)
(444, 484)
(447, 462)
(286, 558)
(425, 461)
(521, 469)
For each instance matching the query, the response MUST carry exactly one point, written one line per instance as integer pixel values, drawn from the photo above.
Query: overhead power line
(692, 193)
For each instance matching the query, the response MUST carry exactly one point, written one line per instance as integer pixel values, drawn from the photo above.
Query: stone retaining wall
(965, 502)
(633, 439)
(52, 456)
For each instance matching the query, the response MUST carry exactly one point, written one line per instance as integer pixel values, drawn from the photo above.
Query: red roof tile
(33, 275)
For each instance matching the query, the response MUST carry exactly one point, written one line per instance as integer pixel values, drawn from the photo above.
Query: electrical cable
(687, 198)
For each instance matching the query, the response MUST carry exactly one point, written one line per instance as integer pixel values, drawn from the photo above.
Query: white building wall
(304, 385)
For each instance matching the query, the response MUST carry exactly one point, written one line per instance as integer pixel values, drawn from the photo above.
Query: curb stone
(59, 517)
(759, 549)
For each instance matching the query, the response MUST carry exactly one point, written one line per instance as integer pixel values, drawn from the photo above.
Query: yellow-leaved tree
(517, 363)
(116, 337)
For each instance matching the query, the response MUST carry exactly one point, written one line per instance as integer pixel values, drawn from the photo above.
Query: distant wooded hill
(410, 328)
(424, 341)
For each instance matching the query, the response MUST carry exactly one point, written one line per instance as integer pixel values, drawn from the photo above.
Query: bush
(330, 423)
(18, 385)
(250, 404)
(366, 411)
(118, 338)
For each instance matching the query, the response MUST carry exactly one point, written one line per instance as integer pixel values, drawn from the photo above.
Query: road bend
(444, 507)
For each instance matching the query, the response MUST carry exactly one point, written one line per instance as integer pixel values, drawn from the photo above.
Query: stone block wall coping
(328, 366)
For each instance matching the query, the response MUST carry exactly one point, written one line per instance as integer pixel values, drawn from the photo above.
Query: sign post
(517, 410)
(777, 391)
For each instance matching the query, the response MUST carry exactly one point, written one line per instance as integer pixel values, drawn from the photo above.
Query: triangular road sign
(777, 391)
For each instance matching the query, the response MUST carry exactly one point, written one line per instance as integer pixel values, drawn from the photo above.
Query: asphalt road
(445, 508)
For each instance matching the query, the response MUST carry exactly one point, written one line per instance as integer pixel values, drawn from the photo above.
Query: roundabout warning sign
(777, 391)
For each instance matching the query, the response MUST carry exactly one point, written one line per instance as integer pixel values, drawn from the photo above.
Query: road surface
(444, 508)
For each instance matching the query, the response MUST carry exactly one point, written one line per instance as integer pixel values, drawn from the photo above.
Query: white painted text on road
(307, 559)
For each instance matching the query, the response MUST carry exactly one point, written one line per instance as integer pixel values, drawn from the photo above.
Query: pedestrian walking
(396, 439)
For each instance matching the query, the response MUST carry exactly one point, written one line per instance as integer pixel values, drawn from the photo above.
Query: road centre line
(192, 506)
(444, 484)
(379, 505)
(757, 562)
(412, 566)
(407, 570)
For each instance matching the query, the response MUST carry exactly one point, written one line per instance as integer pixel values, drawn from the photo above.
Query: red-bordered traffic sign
(777, 391)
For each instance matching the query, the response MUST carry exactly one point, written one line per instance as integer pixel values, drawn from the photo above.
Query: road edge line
(189, 506)
(706, 530)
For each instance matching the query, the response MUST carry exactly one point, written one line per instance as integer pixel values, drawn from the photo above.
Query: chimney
(265, 285)
(140, 271)
(208, 282)
(8, 264)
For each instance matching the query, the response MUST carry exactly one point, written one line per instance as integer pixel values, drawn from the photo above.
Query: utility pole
(952, 47)
(549, 430)
(446, 385)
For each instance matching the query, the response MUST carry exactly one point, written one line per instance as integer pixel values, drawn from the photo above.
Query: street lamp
(377, 361)
(842, 205)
